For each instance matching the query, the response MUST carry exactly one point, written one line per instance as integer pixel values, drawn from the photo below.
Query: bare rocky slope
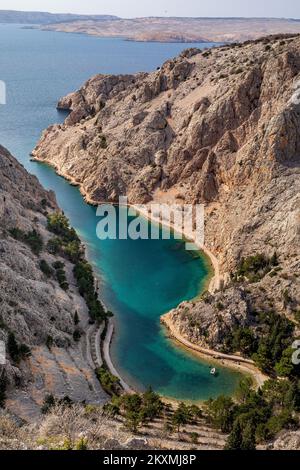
(45, 359)
(219, 127)
(34, 307)
(173, 29)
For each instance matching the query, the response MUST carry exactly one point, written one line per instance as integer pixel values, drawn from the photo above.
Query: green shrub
(49, 342)
(256, 267)
(58, 265)
(275, 332)
(220, 306)
(48, 403)
(17, 233)
(259, 416)
(84, 276)
(59, 225)
(241, 340)
(61, 275)
(76, 319)
(45, 268)
(72, 250)
(103, 142)
(33, 239)
(76, 336)
(66, 242)
(220, 412)
(17, 352)
(108, 381)
(54, 245)
(82, 444)
(3, 385)
(181, 416)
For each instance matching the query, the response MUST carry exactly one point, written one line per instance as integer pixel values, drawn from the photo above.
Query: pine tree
(181, 416)
(76, 318)
(248, 438)
(12, 347)
(234, 441)
(274, 260)
(3, 382)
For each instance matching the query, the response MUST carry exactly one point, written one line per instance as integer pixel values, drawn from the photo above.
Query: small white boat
(213, 371)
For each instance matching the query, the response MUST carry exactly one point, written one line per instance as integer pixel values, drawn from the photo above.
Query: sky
(135, 8)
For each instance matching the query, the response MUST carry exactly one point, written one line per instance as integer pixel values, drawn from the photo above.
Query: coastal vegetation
(267, 342)
(257, 416)
(109, 382)
(139, 410)
(17, 351)
(254, 268)
(67, 244)
(45, 268)
(84, 276)
(60, 274)
(253, 417)
(2, 390)
(66, 241)
(56, 271)
(50, 402)
(32, 238)
(69, 426)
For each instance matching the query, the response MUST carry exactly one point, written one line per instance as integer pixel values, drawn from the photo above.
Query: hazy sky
(131, 8)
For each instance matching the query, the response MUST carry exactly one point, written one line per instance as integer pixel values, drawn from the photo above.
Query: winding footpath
(107, 357)
(229, 360)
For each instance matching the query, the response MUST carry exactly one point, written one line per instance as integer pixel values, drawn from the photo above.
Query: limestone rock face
(207, 323)
(34, 307)
(219, 127)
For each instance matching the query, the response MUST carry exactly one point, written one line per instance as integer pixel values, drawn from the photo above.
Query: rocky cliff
(219, 127)
(36, 314)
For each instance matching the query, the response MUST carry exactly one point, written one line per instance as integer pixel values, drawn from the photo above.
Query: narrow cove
(140, 280)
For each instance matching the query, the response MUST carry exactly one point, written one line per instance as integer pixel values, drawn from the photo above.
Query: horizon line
(154, 16)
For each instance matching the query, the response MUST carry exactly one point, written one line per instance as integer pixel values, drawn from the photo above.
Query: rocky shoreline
(235, 362)
(204, 128)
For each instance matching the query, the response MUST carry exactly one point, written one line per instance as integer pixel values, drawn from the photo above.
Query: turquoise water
(140, 280)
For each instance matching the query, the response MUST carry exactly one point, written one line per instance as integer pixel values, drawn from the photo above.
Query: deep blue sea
(140, 280)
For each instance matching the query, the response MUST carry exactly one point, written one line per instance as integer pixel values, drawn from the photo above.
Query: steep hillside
(37, 309)
(219, 127)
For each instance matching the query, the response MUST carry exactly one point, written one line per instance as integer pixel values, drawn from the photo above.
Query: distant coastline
(179, 30)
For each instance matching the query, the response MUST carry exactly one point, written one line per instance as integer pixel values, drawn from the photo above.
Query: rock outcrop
(219, 127)
(34, 307)
(207, 323)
